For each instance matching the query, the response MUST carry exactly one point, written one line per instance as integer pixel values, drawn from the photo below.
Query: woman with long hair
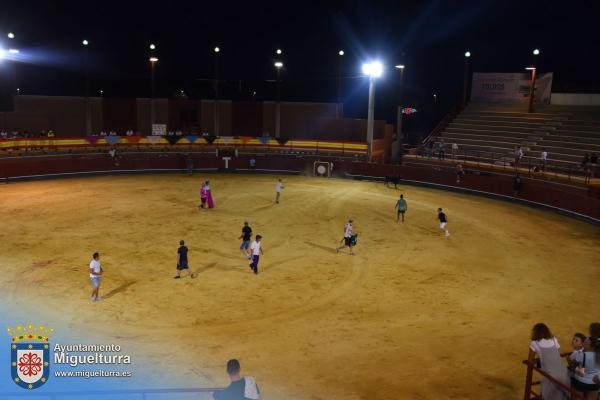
(545, 346)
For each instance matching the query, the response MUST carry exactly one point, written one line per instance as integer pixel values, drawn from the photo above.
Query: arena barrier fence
(267, 144)
(142, 394)
(530, 383)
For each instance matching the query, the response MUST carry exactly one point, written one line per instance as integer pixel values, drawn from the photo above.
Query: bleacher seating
(493, 132)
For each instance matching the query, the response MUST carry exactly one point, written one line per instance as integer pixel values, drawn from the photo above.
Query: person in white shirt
(278, 187)
(349, 238)
(95, 274)
(544, 159)
(256, 251)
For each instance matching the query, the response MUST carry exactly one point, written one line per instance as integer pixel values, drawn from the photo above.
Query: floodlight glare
(2, 54)
(152, 46)
(467, 54)
(278, 64)
(13, 51)
(341, 52)
(374, 69)
(11, 35)
(153, 59)
(217, 49)
(400, 66)
(85, 42)
(279, 51)
(536, 52)
(530, 68)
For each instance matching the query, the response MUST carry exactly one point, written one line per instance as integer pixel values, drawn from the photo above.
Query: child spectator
(583, 379)
(545, 346)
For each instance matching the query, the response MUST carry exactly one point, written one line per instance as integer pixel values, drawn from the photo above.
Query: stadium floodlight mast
(85, 42)
(11, 35)
(152, 46)
(400, 67)
(278, 66)
(217, 49)
(153, 60)
(466, 79)
(338, 110)
(536, 52)
(373, 70)
(279, 52)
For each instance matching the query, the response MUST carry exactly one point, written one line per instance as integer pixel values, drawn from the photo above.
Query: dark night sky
(428, 36)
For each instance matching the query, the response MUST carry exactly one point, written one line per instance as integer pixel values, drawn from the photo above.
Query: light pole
(88, 119)
(278, 66)
(153, 61)
(466, 79)
(216, 50)
(533, 69)
(339, 84)
(400, 68)
(373, 70)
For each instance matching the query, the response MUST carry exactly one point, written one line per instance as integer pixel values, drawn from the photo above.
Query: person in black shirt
(246, 236)
(443, 221)
(182, 261)
(517, 183)
(240, 388)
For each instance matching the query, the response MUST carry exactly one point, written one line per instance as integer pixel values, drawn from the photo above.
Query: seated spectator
(50, 133)
(102, 133)
(240, 388)
(129, 132)
(545, 346)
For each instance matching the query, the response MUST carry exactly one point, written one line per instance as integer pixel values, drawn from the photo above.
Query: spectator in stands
(583, 378)
(430, 148)
(252, 163)
(129, 132)
(545, 346)
(593, 163)
(517, 184)
(460, 172)
(577, 343)
(241, 388)
(50, 133)
(3, 135)
(102, 133)
(518, 156)
(543, 159)
(585, 161)
(440, 148)
(454, 150)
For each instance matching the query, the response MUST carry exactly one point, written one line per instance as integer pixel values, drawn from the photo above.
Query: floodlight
(374, 69)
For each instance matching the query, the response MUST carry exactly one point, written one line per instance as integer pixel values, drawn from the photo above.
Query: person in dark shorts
(402, 207)
(240, 388)
(182, 261)
(349, 238)
(246, 236)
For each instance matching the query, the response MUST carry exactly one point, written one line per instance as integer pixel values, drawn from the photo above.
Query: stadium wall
(66, 116)
(578, 201)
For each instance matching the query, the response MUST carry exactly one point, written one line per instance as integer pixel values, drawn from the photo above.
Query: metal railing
(532, 365)
(531, 166)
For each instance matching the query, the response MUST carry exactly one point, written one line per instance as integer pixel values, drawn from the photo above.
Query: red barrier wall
(576, 199)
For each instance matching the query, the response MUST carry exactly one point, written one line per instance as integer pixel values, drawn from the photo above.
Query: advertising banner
(509, 87)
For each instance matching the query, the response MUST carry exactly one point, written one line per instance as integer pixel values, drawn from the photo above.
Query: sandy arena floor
(413, 315)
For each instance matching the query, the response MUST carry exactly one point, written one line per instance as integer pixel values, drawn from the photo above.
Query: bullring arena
(413, 315)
